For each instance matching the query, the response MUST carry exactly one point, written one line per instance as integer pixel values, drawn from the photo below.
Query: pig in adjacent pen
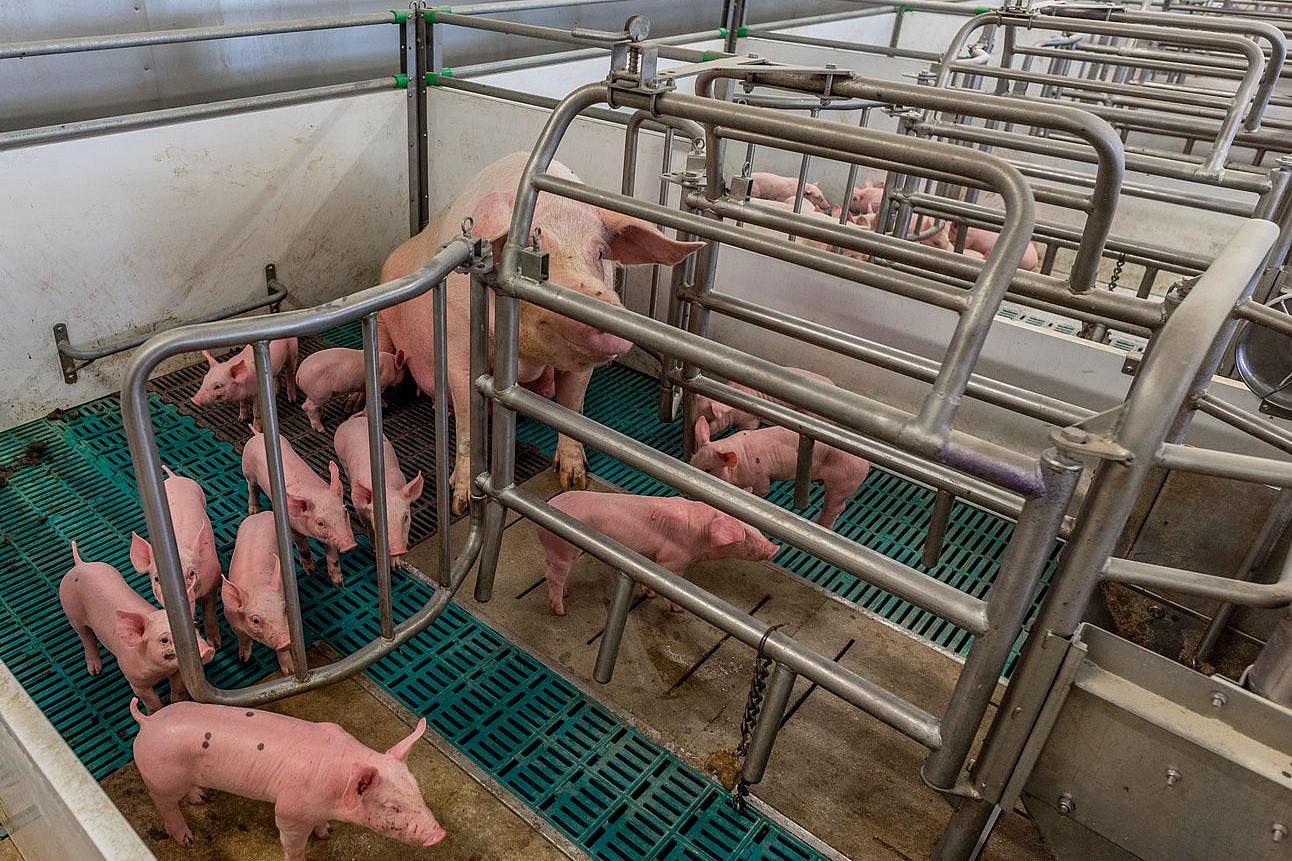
(756, 458)
(312, 772)
(235, 380)
(670, 531)
(581, 241)
(351, 442)
(102, 608)
(324, 374)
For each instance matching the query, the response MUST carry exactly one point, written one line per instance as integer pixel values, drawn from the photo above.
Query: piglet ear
(401, 749)
(298, 506)
(702, 430)
(335, 472)
(361, 495)
(362, 779)
(210, 360)
(238, 369)
(413, 489)
(276, 578)
(400, 359)
(233, 597)
(725, 530)
(130, 627)
(729, 458)
(141, 553)
(632, 240)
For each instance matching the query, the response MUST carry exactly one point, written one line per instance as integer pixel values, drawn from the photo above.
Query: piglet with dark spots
(312, 772)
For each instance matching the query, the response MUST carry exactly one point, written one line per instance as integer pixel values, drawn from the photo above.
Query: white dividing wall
(127, 231)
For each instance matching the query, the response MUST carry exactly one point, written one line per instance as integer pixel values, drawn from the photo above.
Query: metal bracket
(65, 362)
(1130, 365)
(533, 263)
(1093, 438)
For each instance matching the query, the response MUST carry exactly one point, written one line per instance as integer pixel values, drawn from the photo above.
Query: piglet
(981, 243)
(312, 772)
(770, 186)
(315, 508)
(755, 458)
(104, 609)
(195, 541)
(670, 531)
(339, 371)
(720, 416)
(351, 441)
(253, 593)
(865, 200)
(235, 380)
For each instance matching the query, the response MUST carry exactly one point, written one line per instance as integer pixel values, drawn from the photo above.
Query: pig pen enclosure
(1053, 601)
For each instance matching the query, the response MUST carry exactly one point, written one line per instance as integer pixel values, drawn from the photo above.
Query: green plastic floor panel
(599, 782)
(889, 514)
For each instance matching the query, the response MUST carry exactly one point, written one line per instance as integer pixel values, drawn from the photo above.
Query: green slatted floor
(600, 783)
(888, 513)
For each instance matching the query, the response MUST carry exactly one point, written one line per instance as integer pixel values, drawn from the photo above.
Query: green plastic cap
(433, 78)
(401, 82)
(400, 17)
(430, 13)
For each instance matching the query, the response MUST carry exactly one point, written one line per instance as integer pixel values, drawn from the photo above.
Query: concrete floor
(841, 775)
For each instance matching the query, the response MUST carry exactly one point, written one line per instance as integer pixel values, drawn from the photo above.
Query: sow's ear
(632, 240)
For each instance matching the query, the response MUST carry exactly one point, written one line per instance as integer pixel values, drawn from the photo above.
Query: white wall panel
(122, 232)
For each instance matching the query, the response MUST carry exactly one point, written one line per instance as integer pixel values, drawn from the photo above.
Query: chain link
(753, 707)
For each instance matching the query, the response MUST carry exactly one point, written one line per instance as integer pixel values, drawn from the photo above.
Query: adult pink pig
(315, 508)
(253, 593)
(235, 380)
(720, 416)
(351, 441)
(670, 531)
(327, 373)
(102, 608)
(195, 541)
(770, 186)
(312, 772)
(581, 241)
(756, 458)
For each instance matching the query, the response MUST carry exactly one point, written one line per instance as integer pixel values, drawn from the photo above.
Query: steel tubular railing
(1047, 486)
(259, 331)
(1170, 379)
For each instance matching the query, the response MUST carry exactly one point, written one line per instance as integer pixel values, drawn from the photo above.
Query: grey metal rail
(70, 354)
(144, 456)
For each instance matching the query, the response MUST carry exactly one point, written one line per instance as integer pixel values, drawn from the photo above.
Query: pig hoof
(323, 831)
(183, 838)
(558, 609)
(94, 668)
(337, 580)
(460, 504)
(195, 796)
(244, 655)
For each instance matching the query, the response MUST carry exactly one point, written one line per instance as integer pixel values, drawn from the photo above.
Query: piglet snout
(348, 546)
(607, 344)
(435, 837)
(204, 651)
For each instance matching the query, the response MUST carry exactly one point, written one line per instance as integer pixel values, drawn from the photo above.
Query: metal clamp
(1094, 437)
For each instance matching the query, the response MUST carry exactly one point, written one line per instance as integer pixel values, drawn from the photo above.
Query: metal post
(803, 472)
(414, 41)
(769, 723)
(939, 520)
(377, 457)
(616, 619)
(502, 472)
(278, 496)
(443, 496)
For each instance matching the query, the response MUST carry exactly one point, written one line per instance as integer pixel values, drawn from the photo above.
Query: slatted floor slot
(889, 513)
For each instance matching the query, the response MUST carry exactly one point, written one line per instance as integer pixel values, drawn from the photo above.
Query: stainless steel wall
(36, 91)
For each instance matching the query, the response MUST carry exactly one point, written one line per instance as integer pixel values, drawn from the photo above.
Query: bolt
(1172, 777)
(1156, 612)
(1074, 435)
(1066, 806)
(1279, 832)
(1218, 699)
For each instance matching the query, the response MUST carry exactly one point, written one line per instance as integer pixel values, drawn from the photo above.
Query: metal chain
(753, 707)
(1117, 271)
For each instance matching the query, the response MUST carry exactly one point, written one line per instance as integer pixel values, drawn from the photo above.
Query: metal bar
(1264, 315)
(939, 520)
(189, 34)
(769, 723)
(768, 34)
(1031, 404)
(419, 212)
(1276, 520)
(144, 457)
(1262, 429)
(100, 349)
(508, 6)
(443, 496)
(1218, 588)
(278, 497)
(1011, 596)
(803, 471)
(616, 618)
(552, 34)
(1226, 464)
(148, 119)
(377, 459)
(893, 710)
(480, 357)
